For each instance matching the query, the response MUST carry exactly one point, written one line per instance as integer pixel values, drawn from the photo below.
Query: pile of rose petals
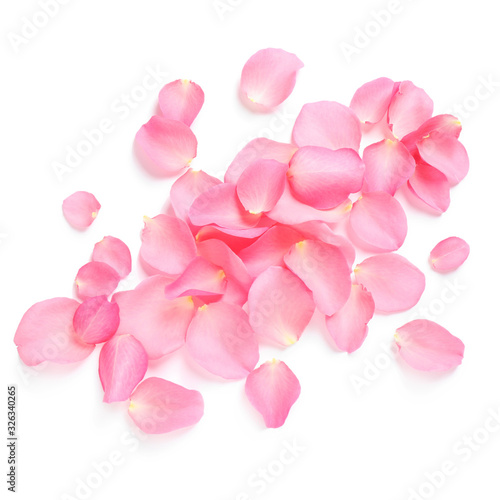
(251, 258)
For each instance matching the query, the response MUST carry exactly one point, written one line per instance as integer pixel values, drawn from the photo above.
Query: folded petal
(322, 178)
(168, 245)
(394, 282)
(168, 144)
(236, 240)
(427, 346)
(80, 209)
(268, 77)
(449, 254)
(272, 389)
(379, 221)
(122, 365)
(221, 340)
(324, 270)
(181, 100)
(431, 186)
(371, 101)
(96, 278)
(158, 406)
(115, 253)
(328, 125)
(96, 320)
(348, 327)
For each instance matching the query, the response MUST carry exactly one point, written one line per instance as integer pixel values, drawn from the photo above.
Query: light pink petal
(115, 253)
(371, 101)
(261, 185)
(220, 205)
(388, 165)
(46, 333)
(427, 346)
(280, 306)
(80, 209)
(348, 327)
(273, 389)
(96, 278)
(431, 186)
(328, 125)
(96, 320)
(221, 340)
(410, 107)
(258, 149)
(158, 323)
(447, 154)
(181, 100)
(200, 278)
(378, 220)
(394, 282)
(187, 188)
(122, 365)
(168, 144)
(449, 254)
(168, 245)
(324, 270)
(158, 406)
(268, 77)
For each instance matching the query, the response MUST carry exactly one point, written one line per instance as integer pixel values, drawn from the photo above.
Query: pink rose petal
(431, 186)
(371, 101)
(96, 320)
(449, 254)
(96, 278)
(115, 253)
(181, 100)
(80, 209)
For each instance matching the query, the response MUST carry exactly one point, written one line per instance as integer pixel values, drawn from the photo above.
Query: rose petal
(431, 186)
(115, 253)
(96, 320)
(80, 209)
(235, 243)
(449, 254)
(96, 278)
(371, 101)
(181, 100)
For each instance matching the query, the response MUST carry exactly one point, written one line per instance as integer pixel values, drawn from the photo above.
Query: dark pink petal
(371, 101)
(80, 209)
(168, 144)
(115, 253)
(220, 205)
(280, 306)
(200, 278)
(324, 270)
(222, 341)
(348, 327)
(379, 221)
(236, 239)
(158, 406)
(122, 365)
(167, 244)
(410, 107)
(158, 323)
(427, 346)
(449, 254)
(261, 185)
(96, 278)
(96, 320)
(181, 100)
(388, 165)
(268, 77)
(322, 178)
(394, 282)
(258, 149)
(273, 389)
(46, 333)
(431, 186)
(328, 125)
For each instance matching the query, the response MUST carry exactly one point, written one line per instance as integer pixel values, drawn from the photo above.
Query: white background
(378, 443)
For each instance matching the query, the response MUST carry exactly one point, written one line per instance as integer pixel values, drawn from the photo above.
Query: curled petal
(235, 240)
(431, 186)
(280, 306)
(268, 77)
(122, 365)
(181, 100)
(80, 209)
(371, 101)
(324, 270)
(221, 340)
(348, 327)
(449, 254)
(158, 406)
(328, 125)
(96, 278)
(272, 389)
(96, 320)
(394, 282)
(46, 333)
(115, 253)
(427, 346)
